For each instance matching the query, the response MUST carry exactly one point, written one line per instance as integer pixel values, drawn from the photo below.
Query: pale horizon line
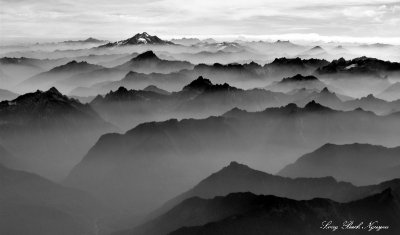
(293, 37)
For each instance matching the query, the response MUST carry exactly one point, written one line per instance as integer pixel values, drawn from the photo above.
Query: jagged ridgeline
(49, 131)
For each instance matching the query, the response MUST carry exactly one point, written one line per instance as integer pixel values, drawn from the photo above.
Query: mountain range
(247, 213)
(200, 145)
(48, 128)
(47, 79)
(239, 183)
(199, 98)
(238, 177)
(360, 66)
(144, 136)
(339, 161)
(80, 74)
(372, 73)
(340, 102)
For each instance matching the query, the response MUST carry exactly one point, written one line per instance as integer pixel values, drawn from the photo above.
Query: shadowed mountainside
(339, 161)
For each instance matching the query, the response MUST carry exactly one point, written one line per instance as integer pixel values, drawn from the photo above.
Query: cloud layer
(122, 18)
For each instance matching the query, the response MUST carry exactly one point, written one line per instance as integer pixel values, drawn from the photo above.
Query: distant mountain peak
(139, 39)
(53, 90)
(235, 165)
(90, 39)
(326, 90)
(314, 106)
(232, 171)
(121, 94)
(370, 96)
(45, 108)
(317, 48)
(156, 89)
(200, 83)
(146, 56)
(71, 62)
(121, 89)
(74, 63)
(234, 112)
(75, 66)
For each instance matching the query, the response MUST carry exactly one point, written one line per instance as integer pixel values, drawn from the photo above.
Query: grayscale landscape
(170, 117)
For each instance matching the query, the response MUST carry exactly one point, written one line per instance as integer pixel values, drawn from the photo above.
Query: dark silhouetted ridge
(285, 61)
(146, 56)
(299, 78)
(199, 84)
(314, 106)
(53, 90)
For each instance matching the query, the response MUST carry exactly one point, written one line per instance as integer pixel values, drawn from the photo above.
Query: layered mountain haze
(259, 137)
(119, 132)
(148, 62)
(341, 102)
(371, 103)
(171, 75)
(374, 74)
(127, 108)
(156, 90)
(287, 67)
(89, 78)
(361, 66)
(315, 52)
(297, 82)
(49, 129)
(239, 213)
(240, 178)
(48, 79)
(251, 214)
(174, 81)
(339, 160)
(323, 97)
(134, 80)
(198, 99)
(87, 40)
(186, 41)
(16, 70)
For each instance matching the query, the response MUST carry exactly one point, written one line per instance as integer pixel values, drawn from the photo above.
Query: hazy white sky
(116, 19)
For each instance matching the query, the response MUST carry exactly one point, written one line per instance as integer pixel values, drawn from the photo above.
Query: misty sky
(117, 19)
